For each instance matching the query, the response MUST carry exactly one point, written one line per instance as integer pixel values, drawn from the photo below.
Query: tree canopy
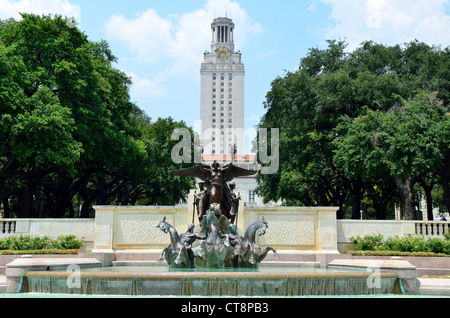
(361, 128)
(70, 135)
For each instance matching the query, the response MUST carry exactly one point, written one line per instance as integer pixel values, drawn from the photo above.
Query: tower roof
(223, 20)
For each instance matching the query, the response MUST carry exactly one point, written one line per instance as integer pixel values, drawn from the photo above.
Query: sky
(160, 44)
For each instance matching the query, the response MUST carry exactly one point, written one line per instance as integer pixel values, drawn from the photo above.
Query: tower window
(251, 195)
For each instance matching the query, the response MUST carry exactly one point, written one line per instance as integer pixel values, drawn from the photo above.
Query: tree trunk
(428, 188)
(445, 180)
(380, 207)
(6, 208)
(357, 195)
(340, 213)
(25, 203)
(85, 210)
(404, 186)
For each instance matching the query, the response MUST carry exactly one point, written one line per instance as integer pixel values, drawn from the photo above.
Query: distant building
(222, 107)
(222, 92)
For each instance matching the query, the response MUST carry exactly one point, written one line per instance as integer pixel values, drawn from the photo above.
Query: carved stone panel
(140, 230)
(290, 230)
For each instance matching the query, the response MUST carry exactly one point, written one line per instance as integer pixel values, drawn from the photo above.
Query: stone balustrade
(7, 227)
(430, 228)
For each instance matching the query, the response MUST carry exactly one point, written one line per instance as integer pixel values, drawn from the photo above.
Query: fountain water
(230, 284)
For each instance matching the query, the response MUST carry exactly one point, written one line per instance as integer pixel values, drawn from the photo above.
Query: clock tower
(222, 92)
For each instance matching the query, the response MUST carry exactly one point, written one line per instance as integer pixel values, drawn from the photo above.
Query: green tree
(331, 84)
(70, 135)
(407, 143)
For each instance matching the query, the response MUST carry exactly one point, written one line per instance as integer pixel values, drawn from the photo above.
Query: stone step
(433, 286)
(138, 263)
(433, 271)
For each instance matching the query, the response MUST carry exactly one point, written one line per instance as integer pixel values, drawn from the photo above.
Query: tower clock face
(222, 55)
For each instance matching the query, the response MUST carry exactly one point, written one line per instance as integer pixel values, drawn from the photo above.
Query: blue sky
(160, 44)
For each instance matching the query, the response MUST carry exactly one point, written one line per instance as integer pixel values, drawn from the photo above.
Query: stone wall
(290, 229)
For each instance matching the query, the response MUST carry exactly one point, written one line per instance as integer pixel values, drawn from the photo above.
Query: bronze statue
(235, 198)
(201, 201)
(215, 179)
(179, 253)
(217, 207)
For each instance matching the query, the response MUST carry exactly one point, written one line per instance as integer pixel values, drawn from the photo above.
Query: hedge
(27, 244)
(418, 245)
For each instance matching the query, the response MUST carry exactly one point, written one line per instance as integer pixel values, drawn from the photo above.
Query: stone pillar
(104, 229)
(326, 227)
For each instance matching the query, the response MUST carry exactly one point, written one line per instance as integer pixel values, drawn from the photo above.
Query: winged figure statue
(215, 188)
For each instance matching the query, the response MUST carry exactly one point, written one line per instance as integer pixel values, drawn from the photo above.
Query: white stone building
(222, 107)
(222, 92)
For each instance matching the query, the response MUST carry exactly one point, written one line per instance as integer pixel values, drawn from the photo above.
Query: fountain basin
(271, 283)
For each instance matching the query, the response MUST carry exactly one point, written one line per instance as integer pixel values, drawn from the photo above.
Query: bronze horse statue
(250, 253)
(215, 248)
(179, 253)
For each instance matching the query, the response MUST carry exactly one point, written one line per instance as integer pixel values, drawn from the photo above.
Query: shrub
(36, 243)
(67, 242)
(39, 252)
(447, 235)
(418, 245)
(407, 244)
(436, 245)
(368, 242)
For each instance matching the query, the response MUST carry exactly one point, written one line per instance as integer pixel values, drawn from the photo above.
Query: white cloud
(389, 21)
(144, 87)
(182, 38)
(148, 36)
(12, 9)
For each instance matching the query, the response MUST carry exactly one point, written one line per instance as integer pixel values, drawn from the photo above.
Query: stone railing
(430, 228)
(82, 228)
(7, 227)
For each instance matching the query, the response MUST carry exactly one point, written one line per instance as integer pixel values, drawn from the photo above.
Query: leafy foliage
(409, 244)
(71, 138)
(358, 130)
(35, 243)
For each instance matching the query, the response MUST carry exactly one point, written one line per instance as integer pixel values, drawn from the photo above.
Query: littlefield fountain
(219, 244)
(211, 259)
